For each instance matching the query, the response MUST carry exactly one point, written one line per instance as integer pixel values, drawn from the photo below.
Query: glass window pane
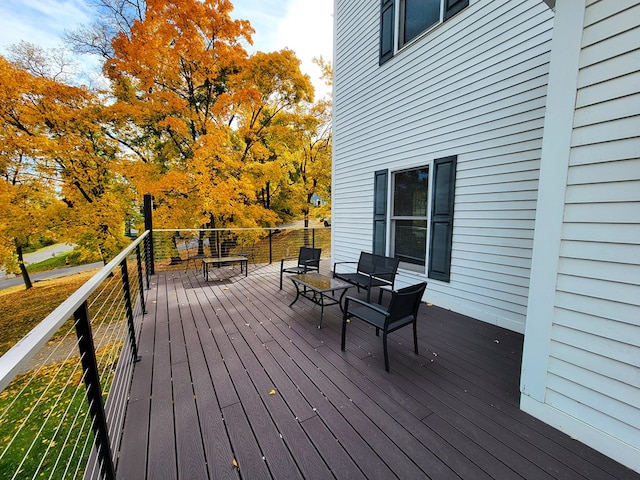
(410, 193)
(418, 16)
(410, 238)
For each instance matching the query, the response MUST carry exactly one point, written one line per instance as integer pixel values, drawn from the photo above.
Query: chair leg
(384, 347)
(344, 330)
(415, 336)
(280, 279)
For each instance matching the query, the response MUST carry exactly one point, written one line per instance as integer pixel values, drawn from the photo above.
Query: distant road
(57, 273)
(42, 254)
(39, 256)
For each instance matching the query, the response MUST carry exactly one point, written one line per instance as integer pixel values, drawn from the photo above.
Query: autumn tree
(199, 116)
(27, 200)
(55, 155)
(207, 129)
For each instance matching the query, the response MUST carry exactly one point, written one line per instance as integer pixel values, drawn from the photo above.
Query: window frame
(422, 267)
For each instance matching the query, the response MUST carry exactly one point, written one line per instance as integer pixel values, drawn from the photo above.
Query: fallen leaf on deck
(272, 391)
(235, 464)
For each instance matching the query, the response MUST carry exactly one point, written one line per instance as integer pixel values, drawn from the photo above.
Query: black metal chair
(308, 261)
(402, 311)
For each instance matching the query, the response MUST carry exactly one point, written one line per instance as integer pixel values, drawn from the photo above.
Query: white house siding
(473, 87)
(592, 383)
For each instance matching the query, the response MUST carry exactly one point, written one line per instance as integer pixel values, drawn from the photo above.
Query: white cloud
(307, 28)
(303, 26)
(41, 22)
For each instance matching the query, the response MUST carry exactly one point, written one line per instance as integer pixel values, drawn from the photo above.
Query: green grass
(67, 259)
(56, 418)
(46, 415)
(45, 412)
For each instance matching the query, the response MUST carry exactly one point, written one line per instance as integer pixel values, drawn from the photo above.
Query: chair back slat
(309, 257)
(406, 301)
(385, 267)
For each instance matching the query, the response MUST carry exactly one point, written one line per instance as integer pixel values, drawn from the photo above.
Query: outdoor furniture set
(370, 271)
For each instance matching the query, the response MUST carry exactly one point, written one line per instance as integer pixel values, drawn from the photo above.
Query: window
(414, 17)
(421, 218)
(409, 218)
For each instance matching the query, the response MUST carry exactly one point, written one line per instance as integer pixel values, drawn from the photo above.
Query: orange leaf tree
(56, 166)
(202, 121)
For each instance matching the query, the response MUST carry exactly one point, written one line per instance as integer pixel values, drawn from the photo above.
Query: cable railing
(184, 248)
(64, 386)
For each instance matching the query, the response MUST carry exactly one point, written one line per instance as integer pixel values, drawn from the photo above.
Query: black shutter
(380, 212)
(451, 7)
(444, 180)
(386, 30)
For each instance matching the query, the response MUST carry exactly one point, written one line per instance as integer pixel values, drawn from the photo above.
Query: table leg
(321, 309)
(297, 293)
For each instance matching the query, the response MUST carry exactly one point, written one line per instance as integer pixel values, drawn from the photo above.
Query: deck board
(231, 373)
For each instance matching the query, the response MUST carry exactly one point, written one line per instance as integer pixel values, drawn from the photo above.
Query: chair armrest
(341, 263)
(373, 306)
(286, 259)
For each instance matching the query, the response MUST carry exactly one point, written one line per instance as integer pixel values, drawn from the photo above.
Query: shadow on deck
(231, 375)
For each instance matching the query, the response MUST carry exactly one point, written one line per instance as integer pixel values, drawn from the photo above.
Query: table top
(319, 282)
(237, 258)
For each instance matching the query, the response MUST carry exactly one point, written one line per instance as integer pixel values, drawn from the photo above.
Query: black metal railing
(46, 428)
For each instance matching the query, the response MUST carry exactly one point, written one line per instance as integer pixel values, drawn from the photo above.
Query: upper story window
(403, 20)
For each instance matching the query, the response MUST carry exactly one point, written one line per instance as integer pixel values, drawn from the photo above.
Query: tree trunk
(307, 243)
(23, 268)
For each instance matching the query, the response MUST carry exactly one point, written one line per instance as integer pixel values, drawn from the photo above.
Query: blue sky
(304, 26)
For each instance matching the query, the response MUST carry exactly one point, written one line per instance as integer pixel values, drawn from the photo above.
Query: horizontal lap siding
(474, 87)
(595, 348)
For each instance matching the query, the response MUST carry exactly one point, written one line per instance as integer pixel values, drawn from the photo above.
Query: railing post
(94, 392)
(139, 263)
(129, 308)
(313, 238)
(270, 246)
(147, 256)
(148, 225)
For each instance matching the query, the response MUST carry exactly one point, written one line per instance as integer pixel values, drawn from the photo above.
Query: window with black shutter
(386, 30)
(380, 212)
(414, 18)
(442, 203)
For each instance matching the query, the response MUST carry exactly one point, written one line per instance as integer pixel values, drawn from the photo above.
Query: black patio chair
(402, 311)
(308, 261)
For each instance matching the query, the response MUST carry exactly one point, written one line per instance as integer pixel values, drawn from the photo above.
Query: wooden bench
(371, 271)
(219, 261)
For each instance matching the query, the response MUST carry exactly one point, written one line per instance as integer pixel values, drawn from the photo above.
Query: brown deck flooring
(230, 374)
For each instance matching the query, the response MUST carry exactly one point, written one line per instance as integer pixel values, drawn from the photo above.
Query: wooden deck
(230, 374)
